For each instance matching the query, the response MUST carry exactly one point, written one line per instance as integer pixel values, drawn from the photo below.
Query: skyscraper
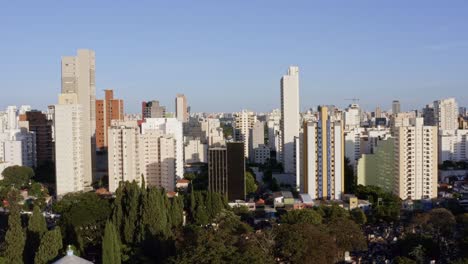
(290, 118)
(416, 160)
(181, 108)
(71, 173)
(78, 77)
(396, 108)
(446, 114)
(323, 157)
(226, 170)
(107, 110)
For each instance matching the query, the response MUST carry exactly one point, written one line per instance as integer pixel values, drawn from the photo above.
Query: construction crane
(355, 100)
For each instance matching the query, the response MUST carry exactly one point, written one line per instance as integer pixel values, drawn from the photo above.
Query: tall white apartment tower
(181, 108)
(416, 160)
(290, 118)
(78, 77)
(446, 114)
(71, 174)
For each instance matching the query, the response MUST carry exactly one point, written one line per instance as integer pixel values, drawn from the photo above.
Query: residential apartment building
(107, 110)
(378, 168)
(71, 141)
(243, 122)
(124, 155)
(323, 157)
(41, 126)
(446, 114)
(416, 160)
(171, 127)
(453, 145)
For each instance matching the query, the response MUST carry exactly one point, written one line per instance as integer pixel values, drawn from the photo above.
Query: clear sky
(230, 55)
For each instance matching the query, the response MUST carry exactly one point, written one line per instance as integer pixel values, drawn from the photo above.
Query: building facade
(107, 110)
(446, 114)
(41, 126)
(416, 160)
(226, 170)
(79, 78)
(124, 155)
(181, 108)
(71, 136)
(152, 109)
(243, 122)
(323, 157)
(290, 119)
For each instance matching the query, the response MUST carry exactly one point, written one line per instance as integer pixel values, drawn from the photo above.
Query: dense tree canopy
(305, 216)
(17, 176)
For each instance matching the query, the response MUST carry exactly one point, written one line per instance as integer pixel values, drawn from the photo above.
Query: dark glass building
(226, 170)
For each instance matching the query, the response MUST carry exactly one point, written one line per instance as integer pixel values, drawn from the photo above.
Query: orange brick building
(107, 110)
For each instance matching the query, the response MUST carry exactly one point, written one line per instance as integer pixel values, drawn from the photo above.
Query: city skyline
(160, 50)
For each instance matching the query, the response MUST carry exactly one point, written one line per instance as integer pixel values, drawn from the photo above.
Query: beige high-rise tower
(290, 119)
(416, 160)
(78, 77)
(71, 174)
(181, 108)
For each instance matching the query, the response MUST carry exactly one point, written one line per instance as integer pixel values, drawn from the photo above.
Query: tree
(111, 245)
(404, 260)
(201, 216)
(14, 239)
(441, 221)
(330, 213)
(17, 176)
(37, 222)
(250, 185)
(51, 244)
(305, 216)
(83, 218)
(347, 234)
(304, 243)
(36, 228)
(130, 206)
(358, 216)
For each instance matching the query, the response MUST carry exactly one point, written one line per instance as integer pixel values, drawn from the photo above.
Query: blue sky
(230, 55)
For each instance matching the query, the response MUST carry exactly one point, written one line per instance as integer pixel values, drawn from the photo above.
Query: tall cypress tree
(209, 205)
(36, 228)
(201, 216)
(193, 204)
(15, 238)
(131, 209)
(177, 209)
(111, 245)
(152, 212)
(217, 203)
(51, 244)
(117, 211)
